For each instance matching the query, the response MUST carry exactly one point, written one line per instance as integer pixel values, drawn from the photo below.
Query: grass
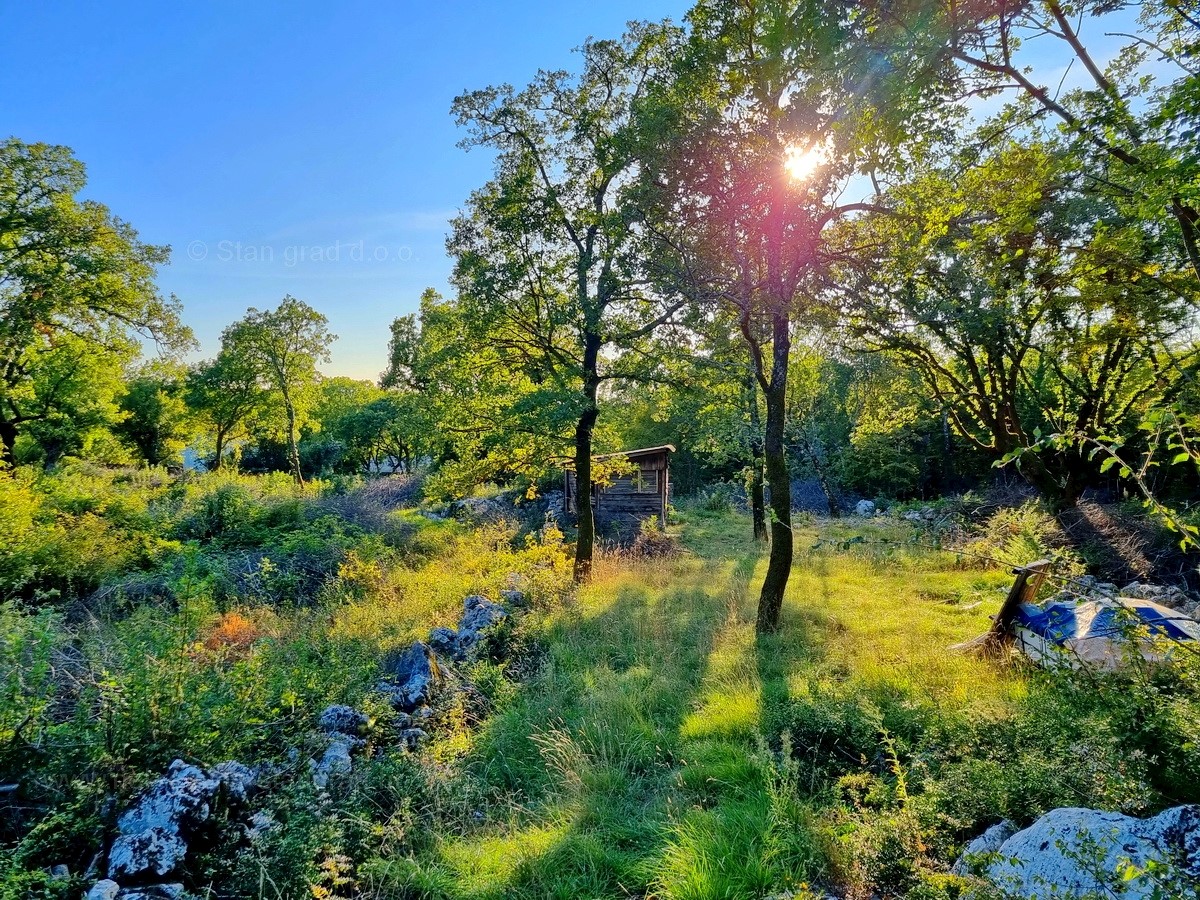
(637, 738)
(640, 760)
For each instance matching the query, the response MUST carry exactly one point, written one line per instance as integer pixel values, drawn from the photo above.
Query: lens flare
(801, 162)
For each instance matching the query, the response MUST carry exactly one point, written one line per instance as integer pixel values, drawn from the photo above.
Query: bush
(1018, 535)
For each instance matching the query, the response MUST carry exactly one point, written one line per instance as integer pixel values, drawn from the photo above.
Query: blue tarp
(1095, 631)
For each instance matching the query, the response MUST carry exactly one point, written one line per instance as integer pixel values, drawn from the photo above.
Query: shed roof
(638, 454)
(634, 455)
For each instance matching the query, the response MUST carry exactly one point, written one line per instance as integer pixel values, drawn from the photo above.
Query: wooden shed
(632, 497)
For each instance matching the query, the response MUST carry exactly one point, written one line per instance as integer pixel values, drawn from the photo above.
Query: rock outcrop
(989, 842)
(153, 834)
(415, 678)
(1073, 853)
(476, 627)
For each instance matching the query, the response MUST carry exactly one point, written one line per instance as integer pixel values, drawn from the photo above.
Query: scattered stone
(515, 599)
(477, 509)
(417, 677)
(154, 892)
(237, 780)
(444, 641)
(343, 720)
(336, 759)
(1089, 586)
(928, 513)
(422, 713)
(103, 890)
(60, 871)
(911, 516)
(480, 616)
(988, 842)
(1082, 852)
(413, 737)
(151, 832)
(864, 508)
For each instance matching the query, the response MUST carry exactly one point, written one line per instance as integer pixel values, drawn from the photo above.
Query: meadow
(636, 738)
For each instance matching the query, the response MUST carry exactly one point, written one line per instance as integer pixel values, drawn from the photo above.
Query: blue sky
(302, 148)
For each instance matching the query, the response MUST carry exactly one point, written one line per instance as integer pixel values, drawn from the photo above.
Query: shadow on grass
(585, 772)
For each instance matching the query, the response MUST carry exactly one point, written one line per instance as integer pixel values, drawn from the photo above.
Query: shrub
(1018, 535)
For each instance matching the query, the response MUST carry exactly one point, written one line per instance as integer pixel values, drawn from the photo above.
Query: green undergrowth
(635, 738)
(663, 750)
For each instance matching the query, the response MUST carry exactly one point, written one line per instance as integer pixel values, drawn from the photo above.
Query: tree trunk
(8, 444)
(586, 539)
(758, 509)
(779, 566)
(293, 448)
(220, 450)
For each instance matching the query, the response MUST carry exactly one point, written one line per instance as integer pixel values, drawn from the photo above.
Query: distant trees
(226, 394)
(283, 346)
(156, 418)
(77, 294)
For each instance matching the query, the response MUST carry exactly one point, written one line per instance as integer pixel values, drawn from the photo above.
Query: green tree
(758, 136)
(547, 261)
(156, 420)
(1137, 117)
(1028, 303)
(70, 399)
(226, 394)
(76, 286)
(284, 345)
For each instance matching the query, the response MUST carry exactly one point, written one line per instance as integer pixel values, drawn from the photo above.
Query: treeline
(873, 243)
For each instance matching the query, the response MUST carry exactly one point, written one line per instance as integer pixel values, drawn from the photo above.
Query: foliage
(547, 259)
(76, 293)
(283, 346)
(156, 420)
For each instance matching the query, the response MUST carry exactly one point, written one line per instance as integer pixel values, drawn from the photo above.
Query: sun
(801, 162)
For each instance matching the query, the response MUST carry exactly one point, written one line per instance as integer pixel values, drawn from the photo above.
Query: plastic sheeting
(1100, 632)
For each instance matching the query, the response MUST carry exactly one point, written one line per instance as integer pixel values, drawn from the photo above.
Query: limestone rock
(1081, 852)
(413, 737)
(154, 892)
(103, 890)
(444, 641)
(988, 842)
(514, 598)
(343, 720)
(416, 677)
(480, 616)
(336, 759)
(152, 835)
(864, 508)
